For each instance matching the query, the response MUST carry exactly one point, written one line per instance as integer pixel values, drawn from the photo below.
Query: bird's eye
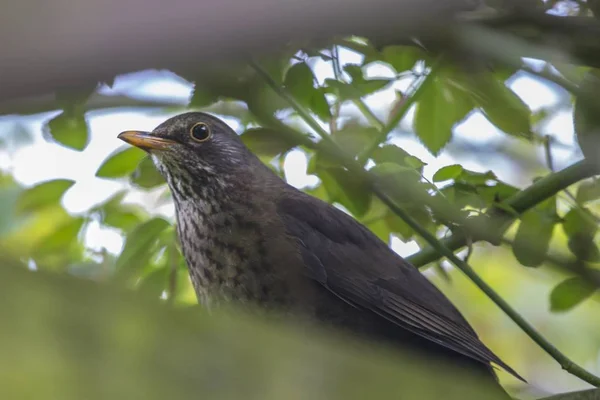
(200, 132)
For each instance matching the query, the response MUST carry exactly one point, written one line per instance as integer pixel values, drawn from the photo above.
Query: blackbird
(249, 237)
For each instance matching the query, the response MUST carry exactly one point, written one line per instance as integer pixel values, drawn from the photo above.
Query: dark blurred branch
(46, 103)
(577, 35)
(72, 336)
(62, 46)
(52, 45)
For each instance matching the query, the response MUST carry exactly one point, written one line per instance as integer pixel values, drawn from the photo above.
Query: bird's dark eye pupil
(200, 132)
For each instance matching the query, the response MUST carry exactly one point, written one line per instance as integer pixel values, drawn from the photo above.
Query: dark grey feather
(349, 260)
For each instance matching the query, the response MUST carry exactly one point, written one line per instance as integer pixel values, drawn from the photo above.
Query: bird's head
(195, 147)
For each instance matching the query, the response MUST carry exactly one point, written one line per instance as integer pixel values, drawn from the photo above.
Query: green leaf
(402, 58)
(121, 219)
(266, 142)
(355, 71)
(476, 178)
(146, 175)
(120, 163)
(534, 233)
(494, 194)
(432, 123)
(345, 91)
(202, 96)
(361, 86)
(463, 195)
(321, 159)
(118, 215)
(390, 153)
(579, 221)
(354, 138)
(581, 227)
(448, 172)
(70, 130)
(371, 86)
(403, 182)
(394, 154)
(62, 238)
(380, 229)
(389, 169)
(43, 194)
(501, 106)
(139, 246)
(584, 248)
(155, 283)
(440, 107)
(414, 162)
(262, 99)
(319, 105)
(299, 81)
(586, 115)
(401, 228)
(569, 293)
(343, 187)
(588, 191)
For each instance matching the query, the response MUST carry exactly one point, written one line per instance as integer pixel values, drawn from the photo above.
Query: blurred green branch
(65, 338)
(437, 245)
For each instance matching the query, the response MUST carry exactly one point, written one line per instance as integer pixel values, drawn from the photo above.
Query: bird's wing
(355, 265)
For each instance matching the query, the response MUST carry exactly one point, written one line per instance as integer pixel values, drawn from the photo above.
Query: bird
(251, 238)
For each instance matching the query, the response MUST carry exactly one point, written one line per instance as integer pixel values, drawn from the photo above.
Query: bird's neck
(222, 241)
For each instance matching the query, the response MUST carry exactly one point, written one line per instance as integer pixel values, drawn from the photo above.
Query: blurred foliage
(433, 95)
(135, 347)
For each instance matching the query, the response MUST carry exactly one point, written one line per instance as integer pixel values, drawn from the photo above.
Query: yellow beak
(145, 140)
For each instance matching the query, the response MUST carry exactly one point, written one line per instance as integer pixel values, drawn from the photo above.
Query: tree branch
(60, 46)
(72, 336)
(55, 49)
(522, 201)
(45, 103)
